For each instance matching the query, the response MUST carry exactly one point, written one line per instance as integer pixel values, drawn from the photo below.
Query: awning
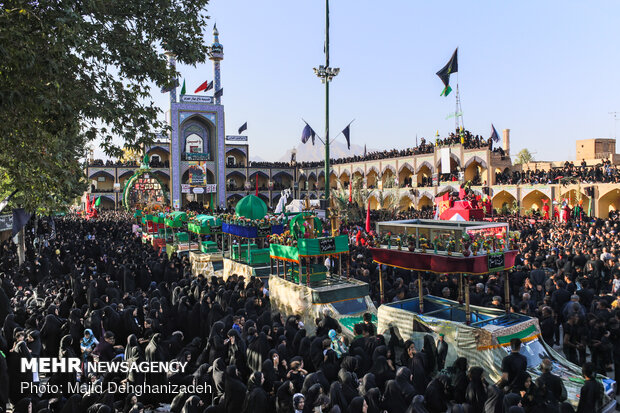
(445, 264)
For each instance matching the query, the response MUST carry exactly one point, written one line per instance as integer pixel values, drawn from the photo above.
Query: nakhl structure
(178, 240)
(301, 282)
(144, 190)
(247, 231)
(209, 258)
(482, 335)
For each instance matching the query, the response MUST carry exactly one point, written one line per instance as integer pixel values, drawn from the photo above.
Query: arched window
(196, 140)
(193, 144)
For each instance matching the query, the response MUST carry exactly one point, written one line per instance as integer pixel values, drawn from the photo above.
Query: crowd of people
(95, 290)
(603, 172)
(155, 162)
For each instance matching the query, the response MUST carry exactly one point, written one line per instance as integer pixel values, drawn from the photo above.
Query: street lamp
(326, 74)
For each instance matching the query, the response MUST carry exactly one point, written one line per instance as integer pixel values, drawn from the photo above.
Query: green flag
(183, 88)
(446, 91)
(98, 202)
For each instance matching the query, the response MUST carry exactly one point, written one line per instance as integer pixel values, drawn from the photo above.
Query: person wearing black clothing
(234, 390)
(257, 399)
(538, 278)
(476, 392)
(327, 323)
(442, 352)
(552, 384)
(559, 298)
(514, 363)
(437, 394)
(592, 392)
(105, 348)
(547, 326)
(370, 327)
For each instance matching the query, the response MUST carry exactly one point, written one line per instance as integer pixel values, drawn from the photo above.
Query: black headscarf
(336, 396)
(233, 389)
(312, 398)
(393, 400)
(193, 405)
(367, 383)
(356, 405)
(349, 386)
(284, 397)
(403, 378)
(373, 399)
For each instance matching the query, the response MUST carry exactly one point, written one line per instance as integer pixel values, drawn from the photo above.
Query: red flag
(350, 195)
(87, 203)
(256, 179)
(92, 206)
(368, 218)
(205, 86)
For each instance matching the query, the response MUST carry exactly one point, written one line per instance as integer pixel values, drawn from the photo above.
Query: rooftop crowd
(96, 291)
(570, 173)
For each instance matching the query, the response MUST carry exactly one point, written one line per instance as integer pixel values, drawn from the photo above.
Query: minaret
(172, 62)
(216, 55)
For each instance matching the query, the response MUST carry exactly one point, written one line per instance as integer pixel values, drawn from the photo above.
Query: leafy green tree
(524, 156)
(73, 71)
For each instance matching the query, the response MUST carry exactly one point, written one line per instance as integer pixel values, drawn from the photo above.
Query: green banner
(525, 333)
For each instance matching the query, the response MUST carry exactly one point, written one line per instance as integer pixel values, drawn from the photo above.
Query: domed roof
(251, 207)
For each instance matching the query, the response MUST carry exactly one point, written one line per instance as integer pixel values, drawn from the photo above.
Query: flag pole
(327, 175)
(315, 134)
(332, 141)
(458, 111)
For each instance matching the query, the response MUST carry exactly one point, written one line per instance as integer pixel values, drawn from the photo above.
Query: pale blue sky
(548, 70)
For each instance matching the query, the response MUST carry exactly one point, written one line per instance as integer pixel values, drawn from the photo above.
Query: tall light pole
(326, 74)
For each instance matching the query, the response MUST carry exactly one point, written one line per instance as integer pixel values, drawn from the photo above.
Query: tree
(524, 156)
(72, 71)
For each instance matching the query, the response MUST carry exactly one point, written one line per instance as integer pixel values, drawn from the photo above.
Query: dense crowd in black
(570, 173)
(97, 275)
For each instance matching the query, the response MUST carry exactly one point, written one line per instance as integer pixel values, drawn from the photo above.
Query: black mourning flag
(347, 132)
(444, 74)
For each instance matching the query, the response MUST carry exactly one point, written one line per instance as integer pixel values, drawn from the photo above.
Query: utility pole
(326, 74)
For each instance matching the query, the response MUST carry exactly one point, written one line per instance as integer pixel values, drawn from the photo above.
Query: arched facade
(476, 170)
(235, 181)
(406, 201)
(503, 198)
(196, 137)
(372, 178)
(374, 202)
(263, 181)
(425, 174)
(333, 180)
(405, 175)
(534, 200)
(235, 158)
(425, 201)
(282, 180)
(573, 197)
(388, 179)
(610, 201)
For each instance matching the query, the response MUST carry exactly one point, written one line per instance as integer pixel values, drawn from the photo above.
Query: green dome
(251, 207)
